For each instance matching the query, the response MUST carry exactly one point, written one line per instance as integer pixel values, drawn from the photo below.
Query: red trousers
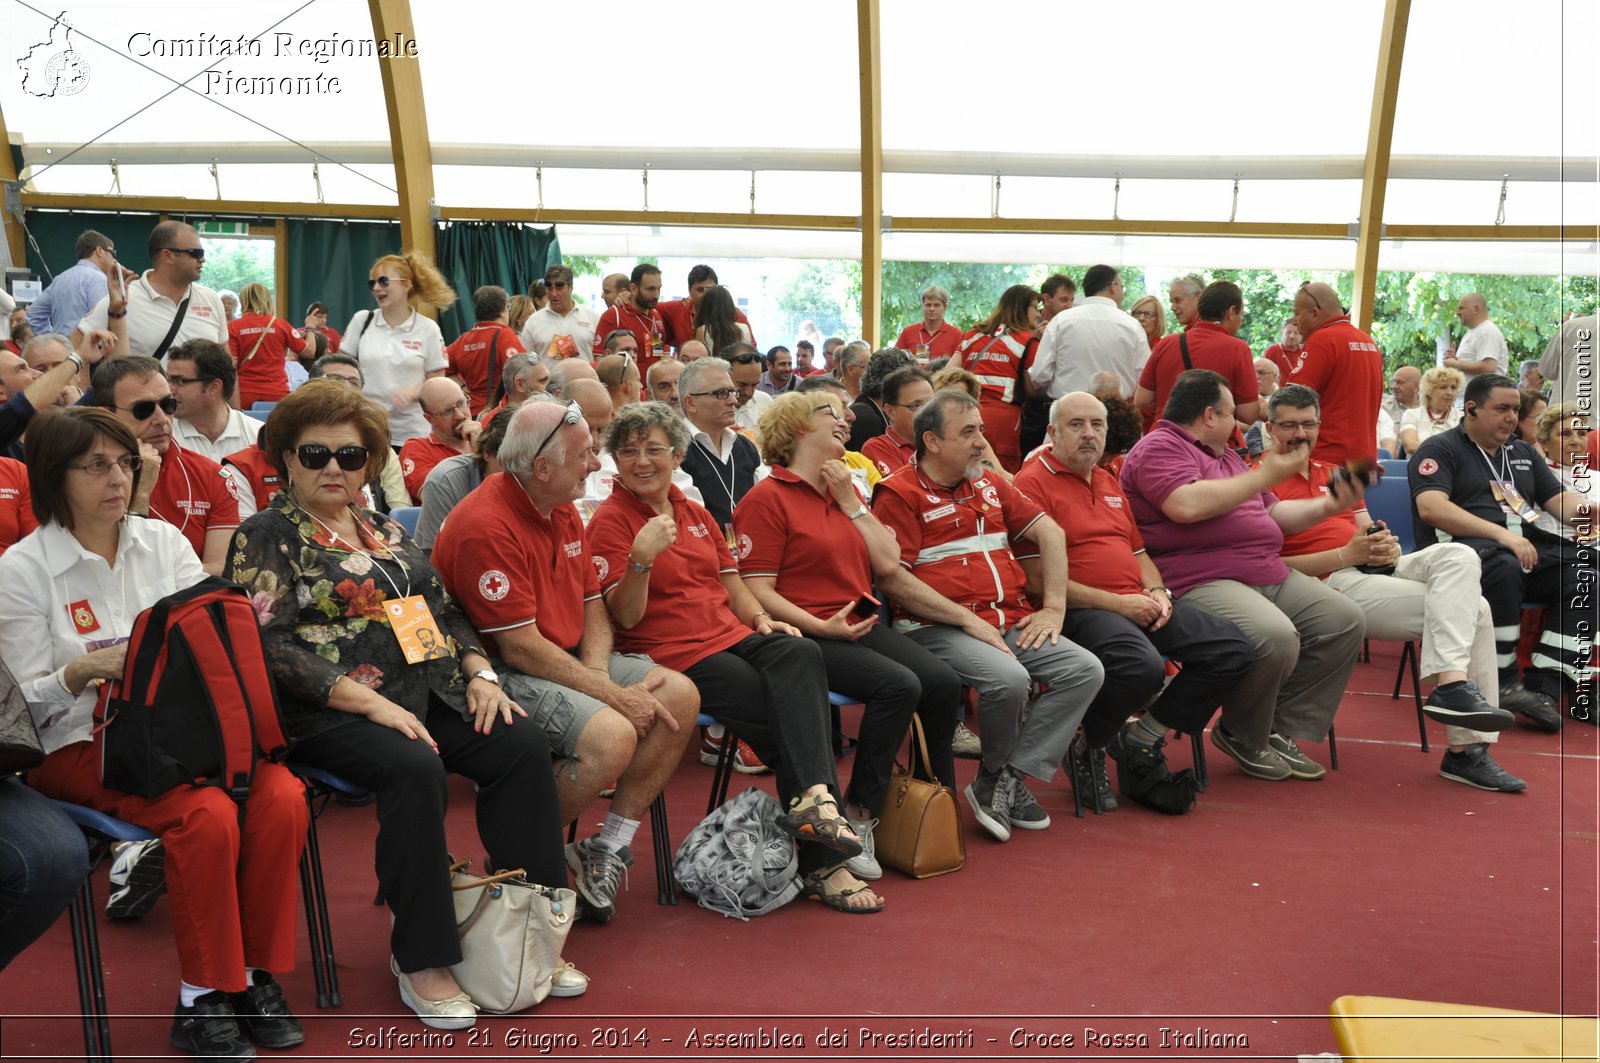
(233, 891)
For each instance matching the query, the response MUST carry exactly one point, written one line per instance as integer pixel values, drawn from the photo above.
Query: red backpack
(196, 702)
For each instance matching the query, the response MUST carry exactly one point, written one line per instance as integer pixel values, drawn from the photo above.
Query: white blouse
(1424, 424)
(396, 359)
(49, 578)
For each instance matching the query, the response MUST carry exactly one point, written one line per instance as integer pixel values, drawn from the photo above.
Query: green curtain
(56, 232)
(475, 253)
(329, 262)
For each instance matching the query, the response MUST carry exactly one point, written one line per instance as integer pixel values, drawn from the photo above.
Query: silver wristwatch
(487, 673)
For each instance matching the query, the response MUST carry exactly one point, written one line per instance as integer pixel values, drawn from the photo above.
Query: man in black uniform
(1478, 485)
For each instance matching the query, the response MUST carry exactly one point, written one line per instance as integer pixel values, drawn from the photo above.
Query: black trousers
(1563, 582)
(769, 689)
(1212, 651)
(519, 815)
(893, 677)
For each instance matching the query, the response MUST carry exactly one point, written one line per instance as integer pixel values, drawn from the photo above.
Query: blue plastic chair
(261, 409)
(1384, 455)
(406, 517)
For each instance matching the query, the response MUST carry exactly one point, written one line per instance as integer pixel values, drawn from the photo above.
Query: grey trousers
(1070, 673)
(1307, 637)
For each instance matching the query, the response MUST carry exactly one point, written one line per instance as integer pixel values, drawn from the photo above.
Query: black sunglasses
(377, 282)
(574, 415)
(314, 456)
(144, 409)
(196, 253)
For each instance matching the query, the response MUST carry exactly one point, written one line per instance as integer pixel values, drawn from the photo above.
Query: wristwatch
(487, 673)
(636, 567)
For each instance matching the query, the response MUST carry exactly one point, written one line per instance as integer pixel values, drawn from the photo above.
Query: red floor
(1244, 919)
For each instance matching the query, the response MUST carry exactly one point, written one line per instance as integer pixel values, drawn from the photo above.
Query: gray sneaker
(1300, 765)
(990, 797)
(865, 866)
(1475, 767)
(596, 873)
(1259, 763)
(966, 744)
(1026, 812)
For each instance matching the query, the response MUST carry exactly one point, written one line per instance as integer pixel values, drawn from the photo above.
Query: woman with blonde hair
(1150, 315)
(1437, 412)
(1562, 431)
(259, 343)
(399, 348)
(518, 308)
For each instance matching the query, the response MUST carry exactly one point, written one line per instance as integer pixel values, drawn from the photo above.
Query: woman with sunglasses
(69, 596)
(809, 549)
(670, 584)
(399, 348)
(336, 588)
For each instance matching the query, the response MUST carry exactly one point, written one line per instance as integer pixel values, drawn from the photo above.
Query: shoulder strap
(353, 338)
(1183, 349)
(493, 390)
(177, 323)
(271, 321)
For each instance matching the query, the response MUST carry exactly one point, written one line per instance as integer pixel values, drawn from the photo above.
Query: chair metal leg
(91, 980)
(1197, 745)
(661, 838)
(722, 774)
(319, 928)
(1333, 750)
(1400, 673)
(1416, 693)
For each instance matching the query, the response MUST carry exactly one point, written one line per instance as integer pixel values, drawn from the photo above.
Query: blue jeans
(43, 861)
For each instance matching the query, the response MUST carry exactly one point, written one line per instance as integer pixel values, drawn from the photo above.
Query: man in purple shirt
(1215, 529)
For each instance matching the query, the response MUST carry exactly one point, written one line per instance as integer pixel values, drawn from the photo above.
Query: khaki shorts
(562, 711)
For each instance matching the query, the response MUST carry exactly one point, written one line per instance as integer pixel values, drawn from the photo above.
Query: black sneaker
(138, 879)
(1086, 770)
(990, 797)
(208, 1029)
(1538, 708)
(1475, 767)
(1462, 704)
(1026, 813)
(264, 1015)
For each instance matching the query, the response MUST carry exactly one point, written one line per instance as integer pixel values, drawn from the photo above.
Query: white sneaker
(865, 866)
(138, 878)
(966, 744)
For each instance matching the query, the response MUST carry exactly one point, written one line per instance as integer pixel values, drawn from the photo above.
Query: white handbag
(512, 933)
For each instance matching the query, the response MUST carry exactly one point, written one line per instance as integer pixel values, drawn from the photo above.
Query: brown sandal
(817, 819)
(819, 888)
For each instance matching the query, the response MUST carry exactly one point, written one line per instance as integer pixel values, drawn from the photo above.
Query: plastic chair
(1384, 455)
(1389, 500)
(406, 517)
(261, 409)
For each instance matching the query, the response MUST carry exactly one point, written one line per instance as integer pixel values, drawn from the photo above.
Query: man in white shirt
(1093, 336)
(1483, 348)
(143, 319)
(563, 329)
(202, 376)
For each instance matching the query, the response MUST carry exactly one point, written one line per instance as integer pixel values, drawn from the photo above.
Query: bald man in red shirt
(1340, 363)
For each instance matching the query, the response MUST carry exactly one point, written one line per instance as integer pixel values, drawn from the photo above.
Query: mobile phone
(866, 606)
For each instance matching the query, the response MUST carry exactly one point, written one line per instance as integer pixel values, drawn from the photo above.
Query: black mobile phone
(866, 606)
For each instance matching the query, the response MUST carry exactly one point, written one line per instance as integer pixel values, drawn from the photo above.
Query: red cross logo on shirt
(493, 585)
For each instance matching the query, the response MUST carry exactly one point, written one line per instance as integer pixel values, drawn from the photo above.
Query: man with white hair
(451, 431)
(933, 337)
(723, 464)
(515, 558)
(1183, 295)
(662, 383)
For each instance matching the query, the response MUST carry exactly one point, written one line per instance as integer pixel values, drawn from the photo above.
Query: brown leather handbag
(919, 826)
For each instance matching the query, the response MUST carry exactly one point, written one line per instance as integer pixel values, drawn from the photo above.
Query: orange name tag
(415, 629)
(563, 346)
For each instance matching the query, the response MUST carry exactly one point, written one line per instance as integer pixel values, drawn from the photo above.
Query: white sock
(617, 833)
(188, 994)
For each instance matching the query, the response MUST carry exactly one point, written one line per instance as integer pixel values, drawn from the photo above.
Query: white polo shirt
(1092, 337)
(545, 325)
(150, 315)
(1484, 341)
(238, 433)
(396, 359)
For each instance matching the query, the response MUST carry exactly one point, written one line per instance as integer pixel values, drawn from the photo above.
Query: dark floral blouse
(320, 604)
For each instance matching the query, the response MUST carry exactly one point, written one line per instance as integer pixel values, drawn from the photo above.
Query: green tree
(233, 263)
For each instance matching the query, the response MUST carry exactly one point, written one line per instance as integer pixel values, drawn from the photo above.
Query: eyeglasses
(557, 284)
(574, 415)
(459, 404)
(828, 406)
(1296, 426)
(912, 406)
(144, 409)
(129, 463)
(1145, 313)
(378, 282)
(720, 394)
(196, 253)
(654, 453)
(176, 380)
(314, 456)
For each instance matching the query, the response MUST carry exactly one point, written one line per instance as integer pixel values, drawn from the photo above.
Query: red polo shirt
(929, 345)
(470, 360)
(1210, 347)
(647, 328)
(16, 503)
(259, 343)
(1103, 542)
(677, 319)
(688, 617)
(959, 541)
(1328, 533)
(419, 456)
(194, 495)
(1281, 358)
(788, 530)
(265, 480)
(889, 452)
(508, 566)
(1345, 368)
